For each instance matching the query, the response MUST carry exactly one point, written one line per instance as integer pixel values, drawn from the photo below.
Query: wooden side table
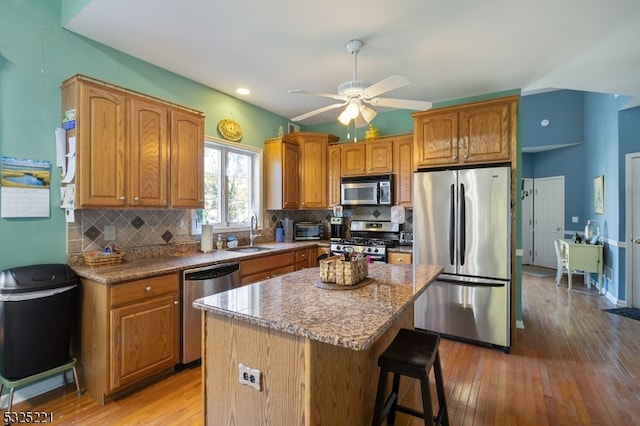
(586, 258)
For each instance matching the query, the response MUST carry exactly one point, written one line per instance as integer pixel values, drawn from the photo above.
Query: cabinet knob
(136, 198)
(148, 288)
(122, 198)
(176, 302)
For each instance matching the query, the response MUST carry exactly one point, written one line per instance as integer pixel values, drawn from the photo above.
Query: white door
(633, 229)
(548, 213)
(527, 221)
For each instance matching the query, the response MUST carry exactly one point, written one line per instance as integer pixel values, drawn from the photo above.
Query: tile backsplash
(137, 229)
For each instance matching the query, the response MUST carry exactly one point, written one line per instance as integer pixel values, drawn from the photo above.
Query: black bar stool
(413, 354)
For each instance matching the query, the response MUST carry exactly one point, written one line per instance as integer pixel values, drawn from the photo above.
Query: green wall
(36, 55)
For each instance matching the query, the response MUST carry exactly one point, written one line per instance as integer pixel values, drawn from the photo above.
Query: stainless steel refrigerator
(462, 221)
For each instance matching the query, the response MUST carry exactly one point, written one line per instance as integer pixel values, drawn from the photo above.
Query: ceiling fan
(356, 95)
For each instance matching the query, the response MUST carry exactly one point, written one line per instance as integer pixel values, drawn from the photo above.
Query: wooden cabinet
(149, 157)
(133, 151)
(334, 173)
(265, 267)
(353, 159)
(187, 163)
(296, 171)
(101, 144)
(371, 157)
(379, 156)
(313, 169)
(475, 133)
(130, 332)
(403, 170)
(281, 164)
(305, 258)
(392, 154)
(397, 258)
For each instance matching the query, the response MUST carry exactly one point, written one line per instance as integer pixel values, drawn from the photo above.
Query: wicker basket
(96, 259)
(335, 270)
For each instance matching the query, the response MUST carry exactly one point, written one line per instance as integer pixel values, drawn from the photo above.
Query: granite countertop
(353, 319)
(133, 269)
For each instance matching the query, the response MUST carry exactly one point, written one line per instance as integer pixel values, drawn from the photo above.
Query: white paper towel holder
(206, 240)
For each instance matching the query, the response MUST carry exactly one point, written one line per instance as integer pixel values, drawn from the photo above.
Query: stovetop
(368, 242)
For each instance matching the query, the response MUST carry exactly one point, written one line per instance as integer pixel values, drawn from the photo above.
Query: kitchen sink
(249, 249)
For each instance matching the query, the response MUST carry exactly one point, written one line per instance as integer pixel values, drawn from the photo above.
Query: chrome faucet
(252, 227)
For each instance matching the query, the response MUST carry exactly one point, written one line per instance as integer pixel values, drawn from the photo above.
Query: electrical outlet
(249, 376)
(574, 219)
(109, 232)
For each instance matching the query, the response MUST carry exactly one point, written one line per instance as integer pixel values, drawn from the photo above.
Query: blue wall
(598, 135)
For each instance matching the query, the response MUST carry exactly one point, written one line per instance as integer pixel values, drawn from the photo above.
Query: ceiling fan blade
(386, 85)
(326, 95)
(317, 111)
(401, 103)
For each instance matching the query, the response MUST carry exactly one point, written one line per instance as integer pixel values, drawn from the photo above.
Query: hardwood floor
(573, 364)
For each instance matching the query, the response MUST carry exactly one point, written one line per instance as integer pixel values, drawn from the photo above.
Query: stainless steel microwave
(308, 231)
(366, 190)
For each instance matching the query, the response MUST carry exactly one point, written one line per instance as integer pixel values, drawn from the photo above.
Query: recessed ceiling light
(242, 91)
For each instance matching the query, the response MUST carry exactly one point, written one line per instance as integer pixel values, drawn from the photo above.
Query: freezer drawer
(478, 312)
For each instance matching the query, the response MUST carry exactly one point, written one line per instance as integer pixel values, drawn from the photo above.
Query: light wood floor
(573, 364)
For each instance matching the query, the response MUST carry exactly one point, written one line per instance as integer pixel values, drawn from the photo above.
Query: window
(232, 190)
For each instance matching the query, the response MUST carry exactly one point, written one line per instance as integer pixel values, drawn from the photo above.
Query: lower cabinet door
(144, 339)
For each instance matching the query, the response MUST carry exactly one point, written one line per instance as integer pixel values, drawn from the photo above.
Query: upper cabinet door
(149, 154)
(379, 157)
(291, 175)
(187, 165)
(313, 171)
(436, 138)
(485, 133)
(101, 149)
(353, 159)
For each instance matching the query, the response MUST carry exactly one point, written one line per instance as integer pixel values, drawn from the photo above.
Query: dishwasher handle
(211, 272)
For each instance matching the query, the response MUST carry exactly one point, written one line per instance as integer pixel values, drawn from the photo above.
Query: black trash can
(38, 306)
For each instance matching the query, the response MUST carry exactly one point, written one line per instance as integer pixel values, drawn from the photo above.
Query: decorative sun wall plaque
(230, 129)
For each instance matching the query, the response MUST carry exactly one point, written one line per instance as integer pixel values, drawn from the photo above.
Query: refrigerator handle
(452, 225)
(462, 231)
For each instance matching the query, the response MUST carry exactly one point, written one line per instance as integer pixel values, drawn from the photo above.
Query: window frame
(257, 188)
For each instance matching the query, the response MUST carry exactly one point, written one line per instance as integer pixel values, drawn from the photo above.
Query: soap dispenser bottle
(220, 243)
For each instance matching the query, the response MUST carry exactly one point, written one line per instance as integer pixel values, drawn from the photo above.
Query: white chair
(561, 261)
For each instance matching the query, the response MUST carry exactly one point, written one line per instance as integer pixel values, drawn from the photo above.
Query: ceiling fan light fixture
(367, 113)
(350, 112)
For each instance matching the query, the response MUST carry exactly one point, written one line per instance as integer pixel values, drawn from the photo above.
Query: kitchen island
(316, 349)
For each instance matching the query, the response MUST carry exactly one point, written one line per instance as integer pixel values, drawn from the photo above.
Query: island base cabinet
(303, 382)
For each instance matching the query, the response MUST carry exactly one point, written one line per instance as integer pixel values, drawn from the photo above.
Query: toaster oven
(308, 231)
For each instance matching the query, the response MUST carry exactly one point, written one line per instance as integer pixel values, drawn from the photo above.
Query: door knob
(636, 240)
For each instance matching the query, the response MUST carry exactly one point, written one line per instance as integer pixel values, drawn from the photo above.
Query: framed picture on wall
(598, 194)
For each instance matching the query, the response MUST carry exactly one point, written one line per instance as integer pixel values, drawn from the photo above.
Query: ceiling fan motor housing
(352, 87)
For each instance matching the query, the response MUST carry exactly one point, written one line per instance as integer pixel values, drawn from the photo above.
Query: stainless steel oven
(372, 238)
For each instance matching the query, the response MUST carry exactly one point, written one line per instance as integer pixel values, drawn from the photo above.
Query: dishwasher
(197, 283)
